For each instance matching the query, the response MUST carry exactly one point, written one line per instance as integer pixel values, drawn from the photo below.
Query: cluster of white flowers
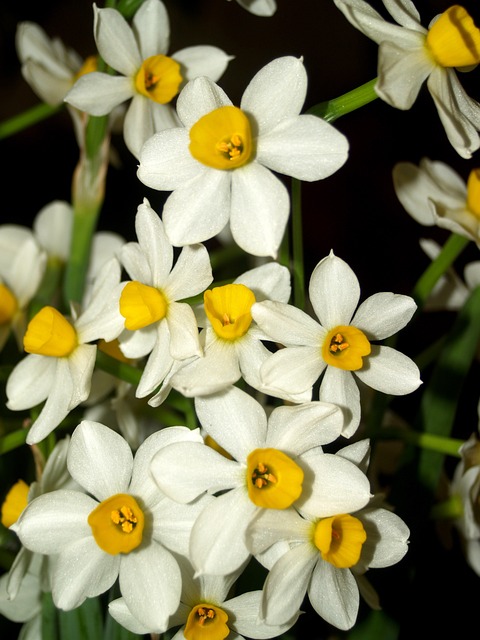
(173, 514)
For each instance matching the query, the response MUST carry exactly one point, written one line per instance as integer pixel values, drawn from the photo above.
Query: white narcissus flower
(338, 345)
(122, 527)
(409, 54)
(219, 163)
(273, 463)
(146, 75)
(326, 560)
(149, 318)
(60, 362)
(232, 343)
(207, 610)
(435, 194)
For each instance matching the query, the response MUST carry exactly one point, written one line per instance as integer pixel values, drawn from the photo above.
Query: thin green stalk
(26, 119)
(297, 246)
(430, 441)
(447, 256)
(334, 109)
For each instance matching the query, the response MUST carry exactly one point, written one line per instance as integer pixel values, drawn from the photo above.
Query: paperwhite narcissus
(435, 194)
(207, 611)
(122, 527)
(219, 163)
(274, 462)
(146, 75)
(60, 362)
(150, 319)
(339, 345)
(409, 54)
(232, 343)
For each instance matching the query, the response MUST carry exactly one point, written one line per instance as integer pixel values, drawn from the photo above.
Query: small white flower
(219, 163)
(339, 345)
(435, 194)
(273, 462)
(205, 605)
(124, 527)
(146, 75)
(232, 343)
(409, 54)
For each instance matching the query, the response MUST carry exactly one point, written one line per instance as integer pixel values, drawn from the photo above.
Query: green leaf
(377, 624)
(441, 396)
(49, 618)
(83, 623)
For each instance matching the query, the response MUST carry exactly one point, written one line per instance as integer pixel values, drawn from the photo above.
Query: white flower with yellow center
(409, 54)
(207, 612)
(149, 318)
(219, 163)
(326, 560)
(232, 343)
(123, 527)
(435, 194)
(339, 346)
(273, 463)
(146, 75)
(60, 362)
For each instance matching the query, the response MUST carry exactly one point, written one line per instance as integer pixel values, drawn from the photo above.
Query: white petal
(199, 97)
(334, 595)
(390, 371)
(154, 243)
(191, 274)
(260, 207)
(68, 510)
(152, 24)
(245, 608)
(158, 364)
(138, 124)
(287, 583)
(283, 83)
(116, 41)
(150, 582)
(334, 291)
(383, 314)
(208, 470)
(173, 522)
(53, 228)
(299, 428)
(30, 382)
(184, 342)
(339, 387)
(202, 60)
(259, 7)
(26, 603)
(163, 151)
(388, 535)
(217, 541)
(270, 281)
(136, 344)
(199, 209)
(305, 147)
(82, 571)
(287, 324)
(121, 613)
(245, 417)
(294, 370)
(98, 93)
(100, 460)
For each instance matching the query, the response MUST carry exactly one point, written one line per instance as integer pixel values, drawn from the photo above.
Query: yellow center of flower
(206, 622)
(229, 310)
(473, 192)
(141, 305)
(8, 305)
(453, 39)
(159, 79)
(49, 333)
(222, 139)
(117, 524)
(274, 481)
(89, 64)
(339, 540)
(14, 503)
(344, 347)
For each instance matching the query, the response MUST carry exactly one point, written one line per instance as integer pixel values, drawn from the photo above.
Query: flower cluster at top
(267, 463)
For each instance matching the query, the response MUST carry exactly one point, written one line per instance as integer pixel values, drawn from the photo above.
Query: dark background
(354, 212)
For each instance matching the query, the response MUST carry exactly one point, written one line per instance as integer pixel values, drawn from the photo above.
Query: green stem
(450, 251)
(430, 441)
(451, 508)
(297, 246)
(26, 119)
(334, 109)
